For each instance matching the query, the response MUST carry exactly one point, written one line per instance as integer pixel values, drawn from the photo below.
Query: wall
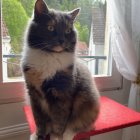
(12, 121)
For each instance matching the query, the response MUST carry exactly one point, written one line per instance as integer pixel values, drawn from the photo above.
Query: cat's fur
(63, 95)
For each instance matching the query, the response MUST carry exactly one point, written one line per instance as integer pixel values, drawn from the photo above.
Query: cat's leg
(40, 123)
(59, 114)
(84, 113)
(39, 115)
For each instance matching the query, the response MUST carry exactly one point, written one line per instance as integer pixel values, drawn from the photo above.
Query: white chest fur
(47, 63)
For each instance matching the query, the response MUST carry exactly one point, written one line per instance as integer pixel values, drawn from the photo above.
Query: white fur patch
(33, 136)
(47, 63)
(68, 134)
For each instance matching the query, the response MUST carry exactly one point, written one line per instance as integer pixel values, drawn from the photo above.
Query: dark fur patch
(41, 118)
(60, 81)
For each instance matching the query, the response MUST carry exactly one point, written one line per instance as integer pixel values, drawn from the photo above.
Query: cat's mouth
(58, 49)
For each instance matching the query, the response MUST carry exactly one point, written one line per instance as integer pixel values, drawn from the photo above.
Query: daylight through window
(92, 25)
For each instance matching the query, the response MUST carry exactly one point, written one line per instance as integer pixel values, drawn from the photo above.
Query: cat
(63, 95)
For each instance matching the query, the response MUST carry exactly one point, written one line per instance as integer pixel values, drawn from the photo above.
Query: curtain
(125, 41)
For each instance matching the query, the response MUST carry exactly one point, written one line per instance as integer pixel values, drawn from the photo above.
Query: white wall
(12, 121)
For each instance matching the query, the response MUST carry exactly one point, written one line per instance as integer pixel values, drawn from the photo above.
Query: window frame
(17, 88)
(115, 80)
(112, 82)
(15, 91)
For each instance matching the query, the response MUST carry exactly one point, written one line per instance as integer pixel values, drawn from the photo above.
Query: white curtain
(125, 41)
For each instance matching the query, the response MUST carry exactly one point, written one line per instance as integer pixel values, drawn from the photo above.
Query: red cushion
(112, 116)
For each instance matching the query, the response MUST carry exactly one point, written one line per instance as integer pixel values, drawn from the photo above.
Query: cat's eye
(67, 31)
(50, 28)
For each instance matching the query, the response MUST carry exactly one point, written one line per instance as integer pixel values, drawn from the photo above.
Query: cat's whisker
(48, 43)
(45, 45)
(34, 45)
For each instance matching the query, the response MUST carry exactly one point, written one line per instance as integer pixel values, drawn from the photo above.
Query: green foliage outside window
(16, 19)
(83, 32)
(28, 6)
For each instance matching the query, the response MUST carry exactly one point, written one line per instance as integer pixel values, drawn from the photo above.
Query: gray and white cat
(63, 95)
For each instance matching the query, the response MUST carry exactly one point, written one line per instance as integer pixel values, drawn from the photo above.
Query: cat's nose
(61, 41)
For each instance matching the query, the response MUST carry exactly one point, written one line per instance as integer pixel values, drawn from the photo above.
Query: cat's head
(52, 31)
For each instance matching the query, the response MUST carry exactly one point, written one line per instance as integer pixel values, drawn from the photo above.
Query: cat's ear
(74, 13)
(40, 8)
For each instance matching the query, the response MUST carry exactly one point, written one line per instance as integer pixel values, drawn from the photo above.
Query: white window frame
(15, 91)
(113, 82)
(9, 91)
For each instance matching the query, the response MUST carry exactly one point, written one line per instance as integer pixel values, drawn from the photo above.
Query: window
(9, 91)
(93, 43)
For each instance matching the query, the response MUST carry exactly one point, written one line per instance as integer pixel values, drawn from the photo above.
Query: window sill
(11, 92)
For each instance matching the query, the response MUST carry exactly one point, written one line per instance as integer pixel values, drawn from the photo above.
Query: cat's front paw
(35, 137)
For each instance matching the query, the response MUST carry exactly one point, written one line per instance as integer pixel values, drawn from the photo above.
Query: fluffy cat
(63, 95)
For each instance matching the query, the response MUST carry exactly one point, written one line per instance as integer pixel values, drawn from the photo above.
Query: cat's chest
(47, 64)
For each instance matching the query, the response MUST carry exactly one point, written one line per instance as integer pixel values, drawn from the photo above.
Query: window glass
(93, 35)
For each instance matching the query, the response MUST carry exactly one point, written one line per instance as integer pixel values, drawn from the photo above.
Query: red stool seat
(112, 116)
